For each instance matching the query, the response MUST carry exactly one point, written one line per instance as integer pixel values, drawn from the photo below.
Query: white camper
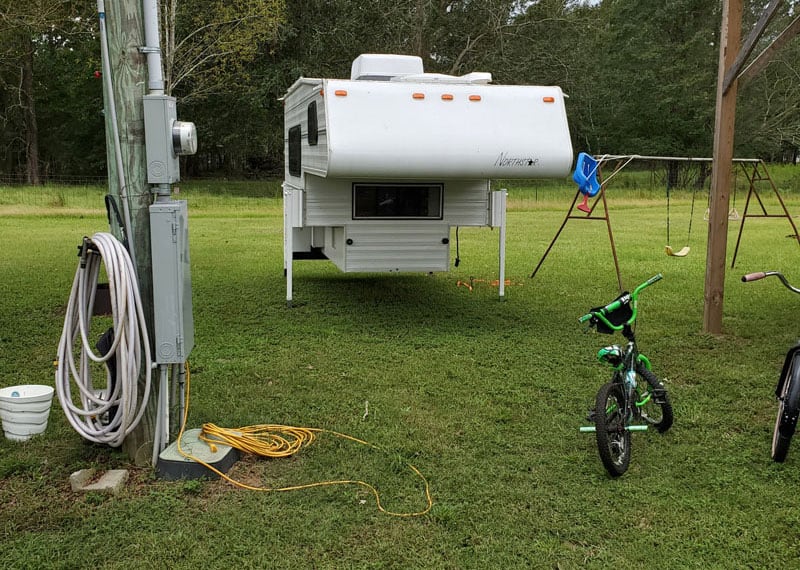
(380, 167)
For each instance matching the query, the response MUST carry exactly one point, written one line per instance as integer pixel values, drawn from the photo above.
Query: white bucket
(24, 410)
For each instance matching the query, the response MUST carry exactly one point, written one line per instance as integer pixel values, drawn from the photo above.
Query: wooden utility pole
(125, 30)
(725, 121)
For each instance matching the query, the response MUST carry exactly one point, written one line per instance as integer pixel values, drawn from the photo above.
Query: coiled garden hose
(108, 414)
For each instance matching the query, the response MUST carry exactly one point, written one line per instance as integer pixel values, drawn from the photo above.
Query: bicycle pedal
(660, 395)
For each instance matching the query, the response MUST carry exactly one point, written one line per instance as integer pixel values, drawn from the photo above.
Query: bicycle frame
(625, 366)
(624, 400)
(788, 389)
(625, 375)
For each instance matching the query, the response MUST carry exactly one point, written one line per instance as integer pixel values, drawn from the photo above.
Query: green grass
(484, 397)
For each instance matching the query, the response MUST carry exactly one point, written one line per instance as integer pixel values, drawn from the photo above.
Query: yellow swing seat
(683, 252)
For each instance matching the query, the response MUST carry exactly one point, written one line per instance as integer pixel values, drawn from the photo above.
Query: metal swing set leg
(588, 210)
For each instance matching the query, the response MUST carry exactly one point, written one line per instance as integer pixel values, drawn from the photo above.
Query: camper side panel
(399, 246)
(388, 130)
(466, 202)
(330, 202)
(305, 131)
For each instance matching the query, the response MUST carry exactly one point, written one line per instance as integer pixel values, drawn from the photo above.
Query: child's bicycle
(788, 389)
(635, 398)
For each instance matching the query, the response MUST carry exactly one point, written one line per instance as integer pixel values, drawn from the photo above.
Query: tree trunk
(421, 40)
(29, 116)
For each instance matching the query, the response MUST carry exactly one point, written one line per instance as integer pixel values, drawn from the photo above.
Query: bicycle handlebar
(753, 276)
(761, 274)
(631, 298)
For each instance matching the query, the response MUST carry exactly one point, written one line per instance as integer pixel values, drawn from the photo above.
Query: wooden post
(725, 121)
(125, 29)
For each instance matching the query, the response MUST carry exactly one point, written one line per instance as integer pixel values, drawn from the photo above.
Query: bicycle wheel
(653, 403)
(613, 440)
(788, 409)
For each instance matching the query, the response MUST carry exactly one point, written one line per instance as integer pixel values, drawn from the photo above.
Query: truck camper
(380, 167)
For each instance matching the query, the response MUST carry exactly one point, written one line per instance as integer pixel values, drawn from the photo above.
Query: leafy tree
(29, 31)
(768, 113)
(655, 79)
(207, 43)
(553, 42)
(69, 97)
(211, 50)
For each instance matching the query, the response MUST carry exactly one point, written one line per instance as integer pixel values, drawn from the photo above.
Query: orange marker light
(447, 97)
(549, 99)
(474, 97)
(340, 93)
(418, 95)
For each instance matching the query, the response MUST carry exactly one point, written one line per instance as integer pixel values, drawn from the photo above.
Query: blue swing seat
(585, 175)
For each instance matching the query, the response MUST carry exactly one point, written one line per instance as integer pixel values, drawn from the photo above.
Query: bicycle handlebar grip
(753, 276)
(655, 278)
(585, 318)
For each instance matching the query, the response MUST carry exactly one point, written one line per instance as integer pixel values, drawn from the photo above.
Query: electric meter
(184, 138)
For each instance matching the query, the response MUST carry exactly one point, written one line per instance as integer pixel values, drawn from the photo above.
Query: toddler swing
(684, 251)
(585, 176)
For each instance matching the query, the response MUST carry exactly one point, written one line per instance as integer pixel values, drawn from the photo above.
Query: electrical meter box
(172, 283)
(162, 161)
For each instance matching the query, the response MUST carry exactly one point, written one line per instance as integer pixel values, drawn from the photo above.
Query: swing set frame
(754, 170)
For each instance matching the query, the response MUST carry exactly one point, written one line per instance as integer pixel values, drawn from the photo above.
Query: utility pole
(725, 122)
(130, 192)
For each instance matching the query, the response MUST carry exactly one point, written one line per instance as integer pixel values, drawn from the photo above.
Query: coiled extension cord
(109, 414)
(271, 440)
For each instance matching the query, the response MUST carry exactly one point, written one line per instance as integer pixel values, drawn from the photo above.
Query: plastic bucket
(24, 410)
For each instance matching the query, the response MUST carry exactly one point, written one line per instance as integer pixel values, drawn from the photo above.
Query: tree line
(640, 74)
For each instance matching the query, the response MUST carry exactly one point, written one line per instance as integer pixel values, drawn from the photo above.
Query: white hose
(104, 415)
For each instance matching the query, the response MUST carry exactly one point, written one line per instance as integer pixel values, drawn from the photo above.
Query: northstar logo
(512, 161)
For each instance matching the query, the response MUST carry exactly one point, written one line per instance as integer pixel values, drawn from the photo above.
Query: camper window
(399, 201)
(295, 151)
(313, 131)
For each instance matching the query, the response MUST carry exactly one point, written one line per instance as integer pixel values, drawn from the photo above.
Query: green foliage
(655, 94)
(640, 74)
(70, 106)
(768, 110)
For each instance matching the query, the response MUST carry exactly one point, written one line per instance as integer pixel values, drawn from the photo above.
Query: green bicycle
(635, 398)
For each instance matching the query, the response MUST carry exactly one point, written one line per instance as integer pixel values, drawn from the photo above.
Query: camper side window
(313, 130)
(295, 150)
(397, 201)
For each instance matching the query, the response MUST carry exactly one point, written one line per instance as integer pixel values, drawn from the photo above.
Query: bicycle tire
(657, 407)
(788, 409)
(613, 439)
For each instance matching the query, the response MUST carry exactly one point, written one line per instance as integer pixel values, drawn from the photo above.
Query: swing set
(588, 175)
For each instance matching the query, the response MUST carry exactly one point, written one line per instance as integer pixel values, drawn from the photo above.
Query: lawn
(484, 397)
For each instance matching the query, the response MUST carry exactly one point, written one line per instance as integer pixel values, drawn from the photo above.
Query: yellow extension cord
(270, 440)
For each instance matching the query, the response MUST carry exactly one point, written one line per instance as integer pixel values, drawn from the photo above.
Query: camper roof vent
(382, 67)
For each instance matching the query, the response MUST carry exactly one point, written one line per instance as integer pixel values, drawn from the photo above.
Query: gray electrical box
(162, 162)
(172, 282)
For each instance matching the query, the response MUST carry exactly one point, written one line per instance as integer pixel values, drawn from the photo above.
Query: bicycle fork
(628, 381)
